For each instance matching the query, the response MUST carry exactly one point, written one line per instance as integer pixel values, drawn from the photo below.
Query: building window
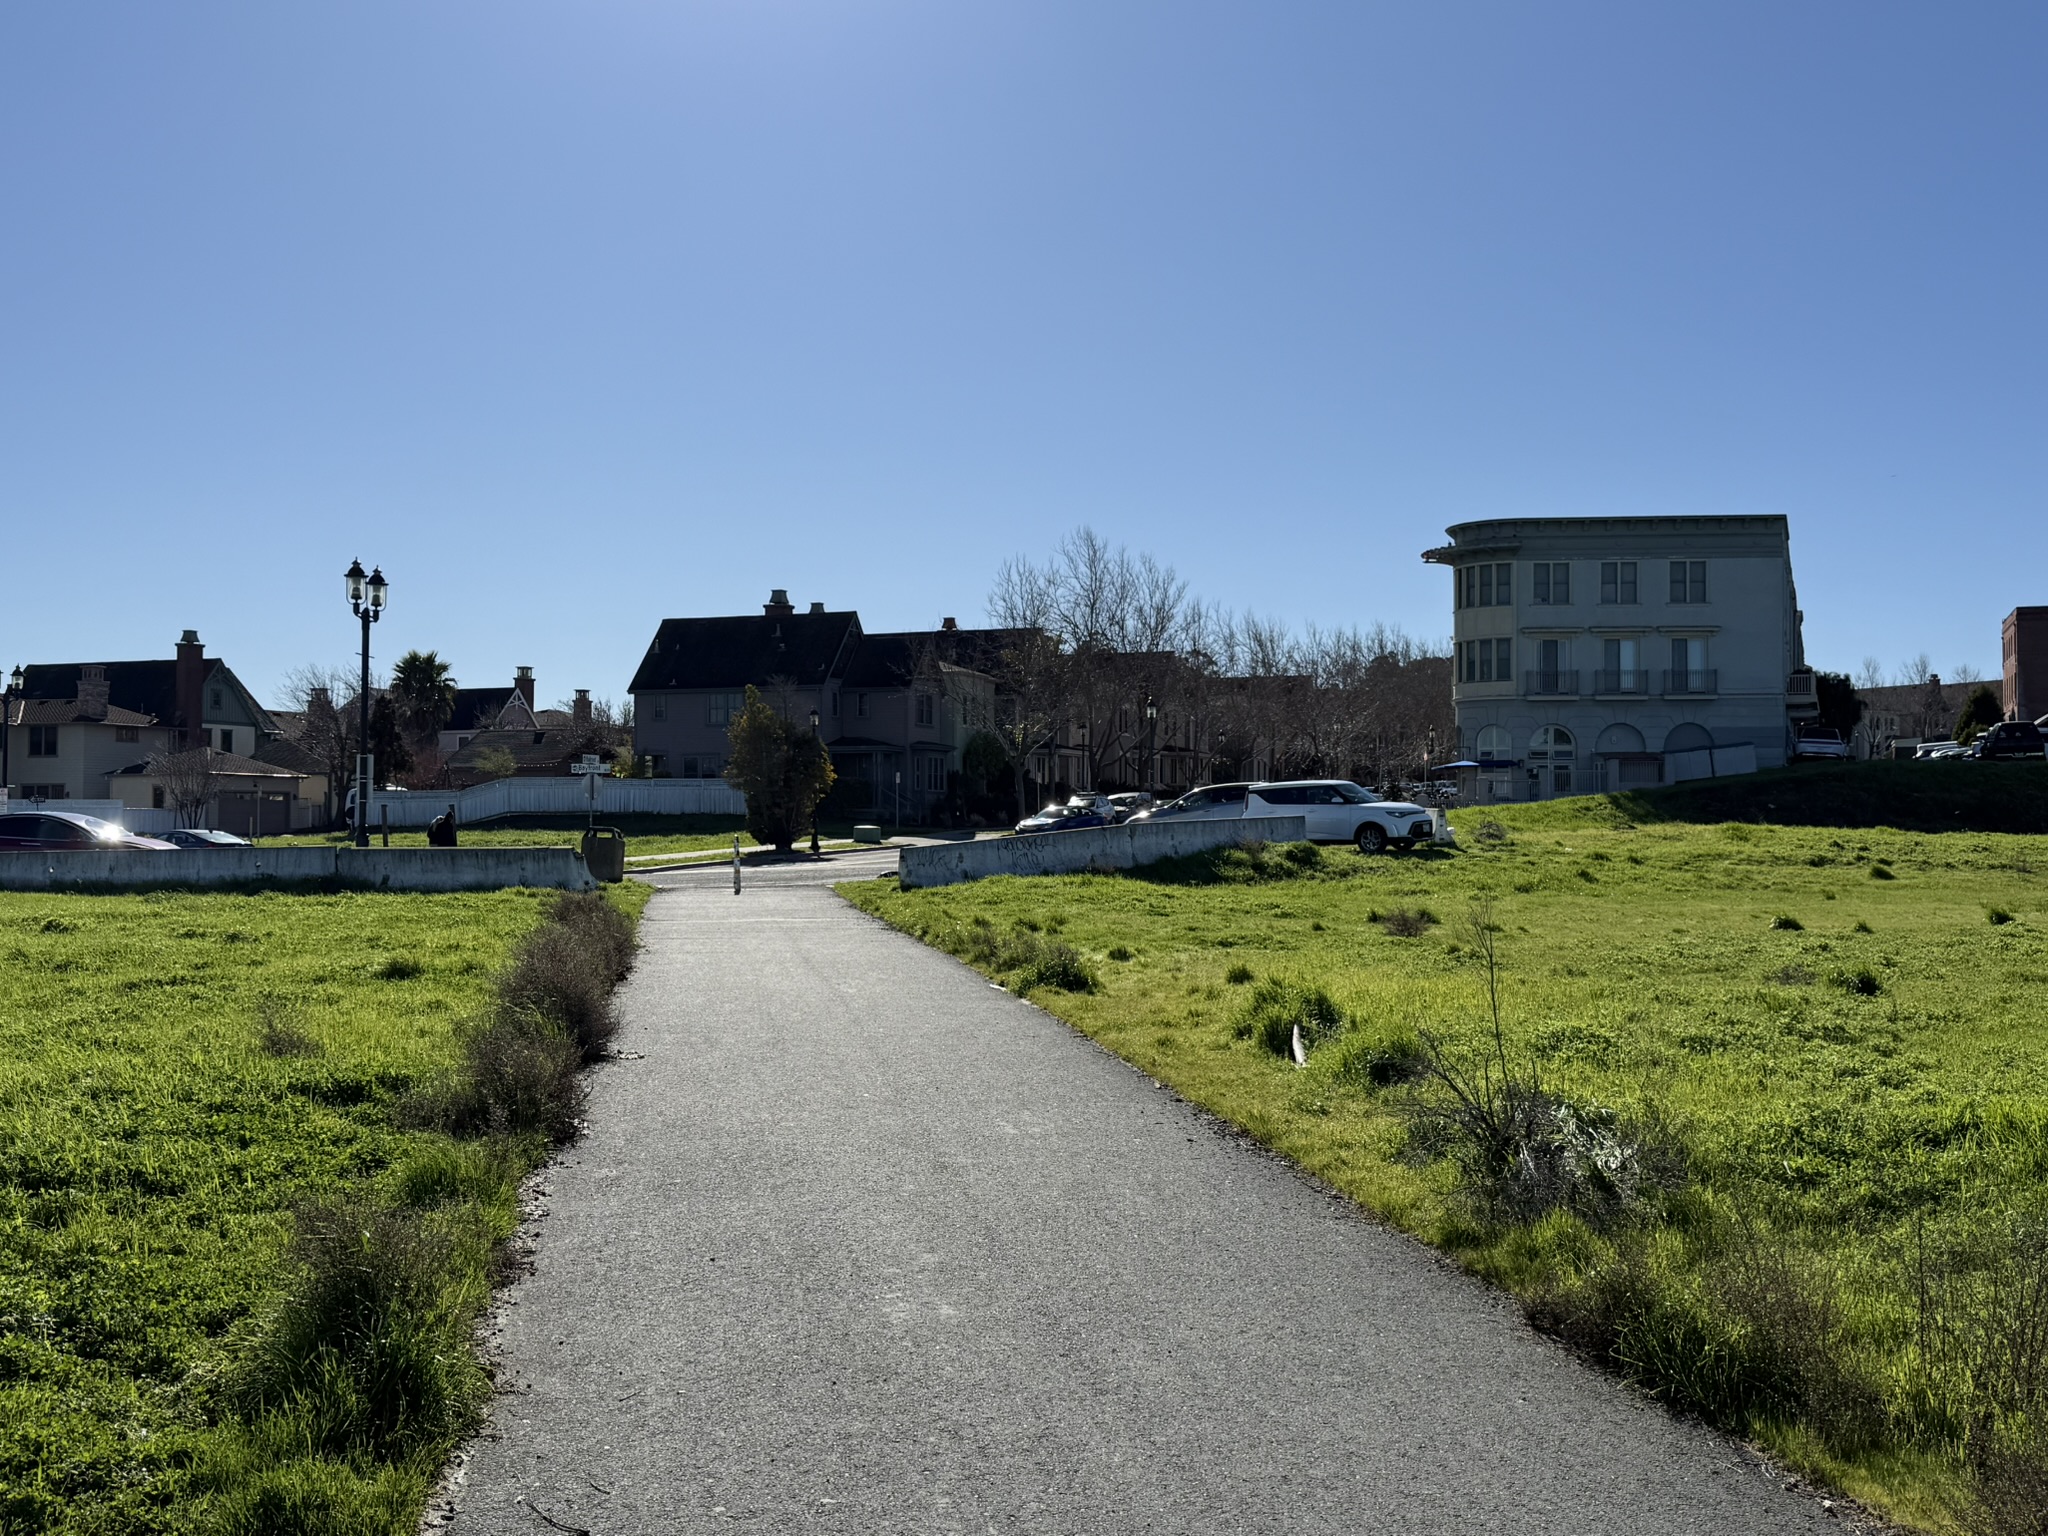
(924, 709)
(1552, 582)
(1486, 586)
(227, 739)
(1617, 581)
(216, 698)
(1494, 743)
(44, 792)
(860, 705)
(156, 797)
(127, 733)
(1503, 660)
(658, 708)
(835, 703)
(1688, 581)
(42, 741)
(723, 706)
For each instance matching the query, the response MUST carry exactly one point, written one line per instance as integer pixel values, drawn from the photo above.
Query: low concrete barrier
(1093, 849)
(380, 869)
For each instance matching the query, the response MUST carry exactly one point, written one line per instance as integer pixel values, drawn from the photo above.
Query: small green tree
(783, 769)
(1983, 708)
(496, 763)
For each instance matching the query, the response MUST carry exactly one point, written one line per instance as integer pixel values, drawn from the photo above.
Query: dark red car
(45, 831)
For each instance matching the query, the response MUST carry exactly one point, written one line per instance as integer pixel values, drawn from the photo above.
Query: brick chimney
(92, 691)
(579, 711)
(188, 681)
(817, 607)
(949, 625)
(523, 681)
(778, 605)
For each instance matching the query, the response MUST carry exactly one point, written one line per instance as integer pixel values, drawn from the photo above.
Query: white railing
(557, 797)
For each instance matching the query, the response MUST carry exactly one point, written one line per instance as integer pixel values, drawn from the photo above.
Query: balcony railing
(1551, 684)
(1799, 685)
(1692, 682)
(1628, 680)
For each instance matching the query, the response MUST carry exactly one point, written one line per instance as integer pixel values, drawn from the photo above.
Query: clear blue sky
(575, 316)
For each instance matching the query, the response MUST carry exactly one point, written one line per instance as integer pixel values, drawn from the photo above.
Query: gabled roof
(478, 709)
(551, 747)
(68, 712)
(143, 687)
(226, 764)
(806, 648)
(284, 752)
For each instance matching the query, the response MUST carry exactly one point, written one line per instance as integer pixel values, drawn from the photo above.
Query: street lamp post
(814, 808)
(7, 726)
(366, 596)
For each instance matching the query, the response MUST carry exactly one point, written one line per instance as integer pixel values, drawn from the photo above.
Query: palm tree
(424, 694)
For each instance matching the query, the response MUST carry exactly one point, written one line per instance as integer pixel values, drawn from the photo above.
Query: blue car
(1063, 818)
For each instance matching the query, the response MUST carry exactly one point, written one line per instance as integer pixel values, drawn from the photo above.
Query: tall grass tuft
(367, 1353)
(1276, 1008)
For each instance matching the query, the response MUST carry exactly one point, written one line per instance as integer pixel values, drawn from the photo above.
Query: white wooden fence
(557, 797)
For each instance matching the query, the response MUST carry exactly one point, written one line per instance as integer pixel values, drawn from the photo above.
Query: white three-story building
(1607, 653)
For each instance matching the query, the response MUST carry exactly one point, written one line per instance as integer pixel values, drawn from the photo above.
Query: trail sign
(591, 770)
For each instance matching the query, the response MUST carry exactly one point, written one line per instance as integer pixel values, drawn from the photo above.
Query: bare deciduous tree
(188, 781)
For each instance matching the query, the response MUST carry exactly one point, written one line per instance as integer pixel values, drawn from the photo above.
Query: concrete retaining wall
(390, 869)
(1095, 848)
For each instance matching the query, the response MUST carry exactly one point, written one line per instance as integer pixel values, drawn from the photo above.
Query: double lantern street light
(7, 698)
(366, 595)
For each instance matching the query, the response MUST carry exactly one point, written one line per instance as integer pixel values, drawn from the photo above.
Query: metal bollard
(735, 863)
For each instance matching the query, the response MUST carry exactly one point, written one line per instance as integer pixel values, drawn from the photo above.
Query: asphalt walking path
(858, 1243)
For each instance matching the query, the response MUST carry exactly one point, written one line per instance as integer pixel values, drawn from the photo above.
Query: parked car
(47, 831)
(1063, 818)
(1209, 803)
(1818, 743)
(1089, 800)
(1129, 803)
(1339, 811)
(2010, 739)
(204, 837)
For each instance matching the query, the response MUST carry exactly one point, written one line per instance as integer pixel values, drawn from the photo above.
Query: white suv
(1339, 811)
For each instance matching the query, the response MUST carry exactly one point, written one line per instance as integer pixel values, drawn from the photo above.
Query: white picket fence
(557, 797)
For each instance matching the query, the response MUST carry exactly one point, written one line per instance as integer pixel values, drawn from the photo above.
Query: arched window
(1494, 743)
(1552, 744)
(1618, 739)
(1688, 738)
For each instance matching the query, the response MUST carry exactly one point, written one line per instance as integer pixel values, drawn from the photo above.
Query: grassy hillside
(1837, 1036)
(1951, 796)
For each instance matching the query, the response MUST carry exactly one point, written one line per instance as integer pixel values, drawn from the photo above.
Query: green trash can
(604, 851)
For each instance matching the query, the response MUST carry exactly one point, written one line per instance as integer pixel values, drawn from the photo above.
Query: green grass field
(1845, 1027)
(179, 1073)
(644, 834)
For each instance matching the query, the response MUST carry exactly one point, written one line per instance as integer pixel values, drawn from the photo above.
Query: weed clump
(1881, 872)
(1523, 1151)
(367, 1352)
(1406, 922)
(399, 968)
(1055, 963)
(1784, 924)
(1238, 974)
(280, 1032)
(1383, 1061)
(1276, 1009)
(561, 980)
(1792, 976)
(1490, 833)
(1999, 917)
(1120, 952)
(1861, 982)
(605, 931)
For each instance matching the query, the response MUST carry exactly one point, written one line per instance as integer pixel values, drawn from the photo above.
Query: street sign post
(589, 768)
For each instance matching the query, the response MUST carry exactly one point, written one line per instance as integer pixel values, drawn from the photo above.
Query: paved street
(857, 1243)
